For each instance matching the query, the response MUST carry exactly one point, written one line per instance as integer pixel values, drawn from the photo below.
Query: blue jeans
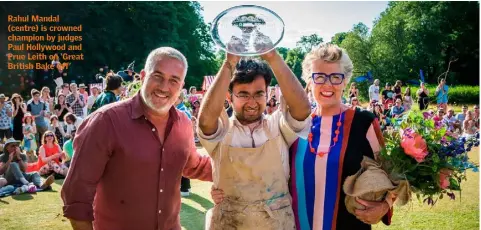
(14, 174)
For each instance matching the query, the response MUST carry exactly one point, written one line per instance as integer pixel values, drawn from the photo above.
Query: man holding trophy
(250, 151)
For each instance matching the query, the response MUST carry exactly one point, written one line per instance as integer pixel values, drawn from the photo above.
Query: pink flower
(444, 175)
(414, 145)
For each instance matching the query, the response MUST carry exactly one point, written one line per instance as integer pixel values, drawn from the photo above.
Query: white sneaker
(184, 194)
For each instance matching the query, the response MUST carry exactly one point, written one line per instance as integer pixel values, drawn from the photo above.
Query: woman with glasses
(51, 156)
(355, 103)
(339, 138)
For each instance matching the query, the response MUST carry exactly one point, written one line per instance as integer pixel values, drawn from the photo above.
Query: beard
(246, 117)
(147, 98)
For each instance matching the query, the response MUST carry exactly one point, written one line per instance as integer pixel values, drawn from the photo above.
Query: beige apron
(255, 187)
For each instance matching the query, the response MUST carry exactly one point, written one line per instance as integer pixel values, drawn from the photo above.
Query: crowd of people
(391, 104)
(36, 135)
(281, 132)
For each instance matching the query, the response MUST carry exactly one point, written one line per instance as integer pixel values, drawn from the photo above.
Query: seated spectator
(50, 156)
(355, 103)
(3, 182)
(450, 121)
(439, 116)
(68, 149)
(56, 128)
(13, 165)
(73, 123)
(398, 110)
(460, 116)
(476, 116)
(469, 126)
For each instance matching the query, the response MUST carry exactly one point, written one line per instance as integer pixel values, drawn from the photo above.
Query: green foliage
(116, 33)
(338, 38)
(294, 61)
(409, 36)
(307, 42)
(459, 94)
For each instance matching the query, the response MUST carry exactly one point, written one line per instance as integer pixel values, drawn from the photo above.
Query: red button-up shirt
(135, 180)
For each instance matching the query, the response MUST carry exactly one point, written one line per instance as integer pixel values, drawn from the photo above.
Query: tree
(359, 47)
(116, 33)
(283, 52)
(338, 38)
(307, 42)
(294, 61)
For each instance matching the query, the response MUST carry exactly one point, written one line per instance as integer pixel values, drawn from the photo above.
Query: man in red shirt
(130, 155)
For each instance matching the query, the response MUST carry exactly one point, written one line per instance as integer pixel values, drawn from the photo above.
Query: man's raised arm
(213, 102)
(292, 91)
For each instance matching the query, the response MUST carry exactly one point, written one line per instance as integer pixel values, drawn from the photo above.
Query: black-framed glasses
(334, 78)
(49, 135)
(246, 97)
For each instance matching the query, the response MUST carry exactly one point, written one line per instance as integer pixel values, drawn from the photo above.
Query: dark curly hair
(246, 71)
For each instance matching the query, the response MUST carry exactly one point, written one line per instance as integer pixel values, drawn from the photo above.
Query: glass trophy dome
(247, 30)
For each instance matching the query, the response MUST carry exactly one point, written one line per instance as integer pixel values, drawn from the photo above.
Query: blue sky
(305, 18)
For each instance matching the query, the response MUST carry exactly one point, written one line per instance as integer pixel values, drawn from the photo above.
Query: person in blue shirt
(397, 111)
(442, 94)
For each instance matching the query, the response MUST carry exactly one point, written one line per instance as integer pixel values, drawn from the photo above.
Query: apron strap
(223, 147)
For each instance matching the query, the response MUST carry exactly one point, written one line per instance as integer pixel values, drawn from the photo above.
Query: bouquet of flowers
(421, 157)
(433, 160)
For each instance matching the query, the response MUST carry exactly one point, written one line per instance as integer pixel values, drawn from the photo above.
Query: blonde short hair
(157, 54)
(330, 53)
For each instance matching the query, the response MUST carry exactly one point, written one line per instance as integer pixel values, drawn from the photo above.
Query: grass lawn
(44, 210)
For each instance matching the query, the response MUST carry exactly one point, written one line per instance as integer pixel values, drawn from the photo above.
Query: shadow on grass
(191, 218)
(25, 196)
(205, 203)
(3, 202)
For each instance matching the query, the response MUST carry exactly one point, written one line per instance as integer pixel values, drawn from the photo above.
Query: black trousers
(184, 184)
(423, 103)
(5, 133)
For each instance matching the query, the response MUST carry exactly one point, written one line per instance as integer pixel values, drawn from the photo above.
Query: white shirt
(278, 123)
(74, 126)
(91, 101)
(374, 92)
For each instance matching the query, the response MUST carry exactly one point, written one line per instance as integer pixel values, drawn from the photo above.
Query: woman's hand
(374, 211)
